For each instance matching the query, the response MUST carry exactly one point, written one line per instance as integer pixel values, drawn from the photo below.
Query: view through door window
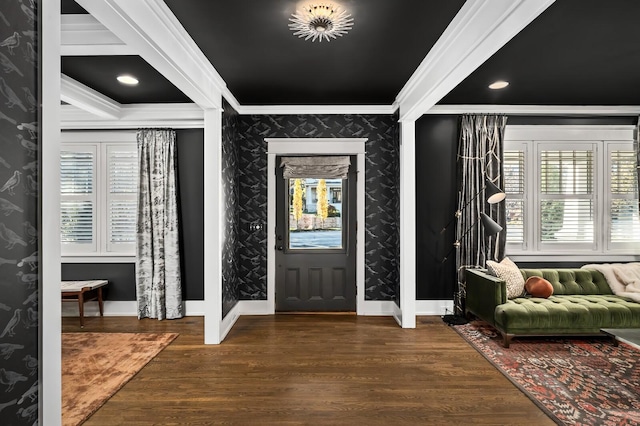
(315, 213)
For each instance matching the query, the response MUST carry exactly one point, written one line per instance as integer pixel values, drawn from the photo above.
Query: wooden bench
(83, 291)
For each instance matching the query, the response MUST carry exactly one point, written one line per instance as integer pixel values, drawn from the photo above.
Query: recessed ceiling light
(500, 84)
(127, 79)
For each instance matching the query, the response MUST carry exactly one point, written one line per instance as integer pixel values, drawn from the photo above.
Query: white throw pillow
(509, 272)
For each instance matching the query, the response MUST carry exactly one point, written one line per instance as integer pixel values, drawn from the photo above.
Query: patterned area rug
(96, 365)
(575, 381)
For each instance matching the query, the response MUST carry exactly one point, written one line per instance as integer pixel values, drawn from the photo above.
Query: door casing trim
(314, 146)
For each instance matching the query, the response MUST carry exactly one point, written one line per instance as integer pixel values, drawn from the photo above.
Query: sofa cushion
(566, 314)
(572, 281)
(509, 272)
(538, 287)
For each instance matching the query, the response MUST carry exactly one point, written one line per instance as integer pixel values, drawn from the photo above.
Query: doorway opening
(354, 149)
(315, 234)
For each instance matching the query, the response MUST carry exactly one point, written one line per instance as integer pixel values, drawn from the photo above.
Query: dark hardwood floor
(312, 369)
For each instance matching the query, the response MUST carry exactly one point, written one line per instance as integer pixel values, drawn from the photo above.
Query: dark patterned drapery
(480, 153)
(158, 277)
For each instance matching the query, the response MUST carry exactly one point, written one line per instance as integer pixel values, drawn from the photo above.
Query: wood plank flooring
(312, 370)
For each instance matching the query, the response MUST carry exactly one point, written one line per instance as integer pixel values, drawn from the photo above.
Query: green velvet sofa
(582, 303)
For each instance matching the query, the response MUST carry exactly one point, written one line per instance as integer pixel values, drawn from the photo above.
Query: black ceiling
(70, 7)
(578, 52)
(100, 72)
(250, 44)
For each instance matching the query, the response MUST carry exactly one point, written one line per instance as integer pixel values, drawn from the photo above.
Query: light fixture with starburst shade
(320, 21)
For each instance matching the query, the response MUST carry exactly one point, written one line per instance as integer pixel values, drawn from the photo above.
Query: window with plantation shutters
(624, 223)
(514, 173)
(566, 185)
(99, 193)
(571, 191)
(122, 196)
(78, 198)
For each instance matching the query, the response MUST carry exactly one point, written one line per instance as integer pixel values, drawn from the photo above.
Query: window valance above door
(318, 167)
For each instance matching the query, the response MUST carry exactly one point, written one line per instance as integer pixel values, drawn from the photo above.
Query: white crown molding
(551, 110)
(314, 109)
(480, 28)
(87, 99)
(563, 133)
(83, 35)
(176, 116)
(151, 29)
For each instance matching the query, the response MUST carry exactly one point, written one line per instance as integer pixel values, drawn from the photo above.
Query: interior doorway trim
(314, 146)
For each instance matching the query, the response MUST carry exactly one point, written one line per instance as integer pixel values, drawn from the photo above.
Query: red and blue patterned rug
(575, 381)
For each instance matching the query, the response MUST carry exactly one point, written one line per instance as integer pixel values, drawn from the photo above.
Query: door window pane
(315, 213)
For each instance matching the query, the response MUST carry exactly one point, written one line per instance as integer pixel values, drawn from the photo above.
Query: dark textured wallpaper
(396, 143)
(230, 292)
(19, 131)
(382, 199)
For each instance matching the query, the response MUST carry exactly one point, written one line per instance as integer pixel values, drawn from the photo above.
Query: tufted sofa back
(571, 281)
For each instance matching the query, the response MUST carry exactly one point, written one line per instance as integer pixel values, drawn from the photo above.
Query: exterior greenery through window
(571, 190)
(315, 213)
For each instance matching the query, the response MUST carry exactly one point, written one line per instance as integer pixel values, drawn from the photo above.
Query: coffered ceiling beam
(480, 29)
(134, 116)
(153, 32)
(75, 93)
(83, 35)
(565, 110)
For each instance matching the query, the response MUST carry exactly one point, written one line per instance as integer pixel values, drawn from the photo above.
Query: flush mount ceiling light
(127, 79)
(500, 84)
(320, 21)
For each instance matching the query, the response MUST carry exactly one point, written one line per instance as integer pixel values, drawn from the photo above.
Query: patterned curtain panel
(480, 153)
(158, 279)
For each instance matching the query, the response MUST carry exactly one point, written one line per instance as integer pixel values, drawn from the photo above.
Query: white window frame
(101, 251)
(614, 247)
(533, 138)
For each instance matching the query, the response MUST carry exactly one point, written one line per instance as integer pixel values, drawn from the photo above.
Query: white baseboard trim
(397, 314)
(228, 321)
(377, 308)
(196, 308)
(254, 307)
(127, 308)
(367, 308)
(433, 307)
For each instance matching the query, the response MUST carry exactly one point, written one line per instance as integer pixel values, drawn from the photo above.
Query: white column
(49, 353)
(213, 214)
(408, 223)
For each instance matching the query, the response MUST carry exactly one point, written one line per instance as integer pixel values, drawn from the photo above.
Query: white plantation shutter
(576, 190)
(99, 194)
(514, 178)
(624, 223)
(567, 197)
(122, 197)
(77, 222)
(78, 198)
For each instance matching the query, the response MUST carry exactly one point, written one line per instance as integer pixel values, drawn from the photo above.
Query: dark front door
(316, 243)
